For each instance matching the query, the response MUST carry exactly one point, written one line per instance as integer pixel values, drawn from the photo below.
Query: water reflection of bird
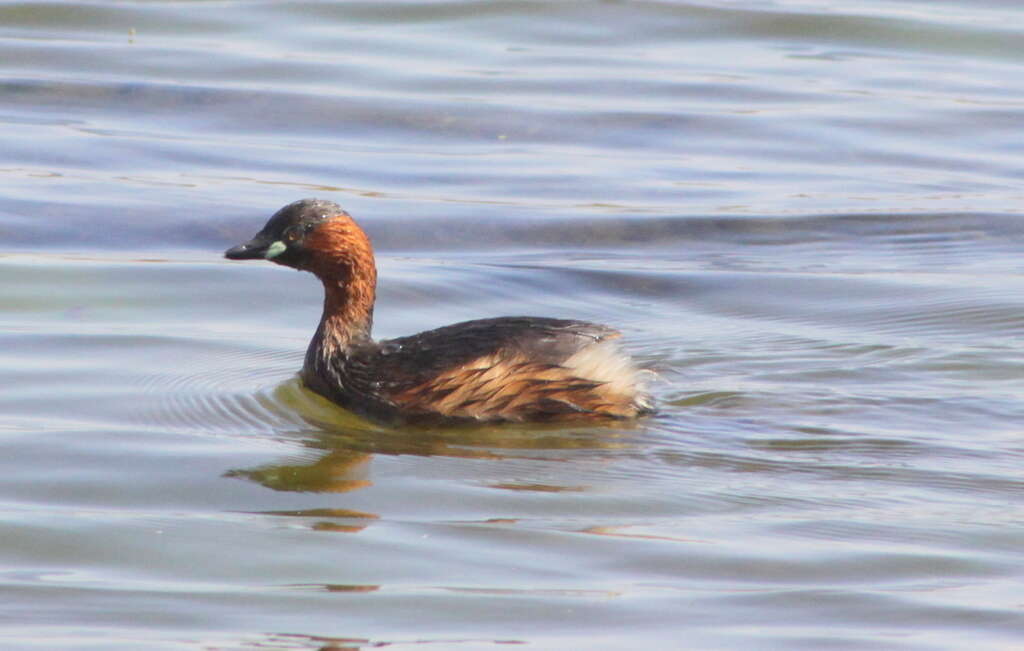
(503, 369)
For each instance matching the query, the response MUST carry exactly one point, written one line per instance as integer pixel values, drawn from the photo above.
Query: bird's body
(502, 369)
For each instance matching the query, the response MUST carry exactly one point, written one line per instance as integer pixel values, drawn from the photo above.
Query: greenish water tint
(804, 216)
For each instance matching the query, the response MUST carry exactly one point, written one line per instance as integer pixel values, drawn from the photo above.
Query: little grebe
(505, 369)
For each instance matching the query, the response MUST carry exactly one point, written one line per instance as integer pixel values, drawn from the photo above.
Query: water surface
(804, 217)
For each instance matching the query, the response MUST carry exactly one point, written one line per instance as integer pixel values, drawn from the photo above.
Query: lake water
(804, 215)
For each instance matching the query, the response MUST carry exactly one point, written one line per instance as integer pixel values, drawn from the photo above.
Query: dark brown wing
(510, 368)
(410, 361)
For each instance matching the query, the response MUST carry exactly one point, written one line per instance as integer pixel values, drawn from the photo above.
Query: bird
(504, 369)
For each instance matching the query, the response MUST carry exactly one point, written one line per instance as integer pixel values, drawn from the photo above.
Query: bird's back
(504, 369)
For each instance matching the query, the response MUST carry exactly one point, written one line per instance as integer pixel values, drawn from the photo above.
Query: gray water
(803, 215)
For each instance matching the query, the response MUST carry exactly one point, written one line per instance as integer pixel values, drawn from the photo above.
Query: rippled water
(804, 215)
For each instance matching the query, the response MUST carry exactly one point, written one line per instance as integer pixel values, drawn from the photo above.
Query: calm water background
(805, 216)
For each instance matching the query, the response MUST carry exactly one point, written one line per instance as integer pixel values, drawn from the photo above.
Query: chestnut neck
(344, 264)
(348, 313)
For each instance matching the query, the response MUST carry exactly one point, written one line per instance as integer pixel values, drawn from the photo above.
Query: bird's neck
(348, 313)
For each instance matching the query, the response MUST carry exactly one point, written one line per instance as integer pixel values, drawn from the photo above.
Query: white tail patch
(605, 362)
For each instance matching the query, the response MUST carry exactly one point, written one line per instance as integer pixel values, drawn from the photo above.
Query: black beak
(254, 249)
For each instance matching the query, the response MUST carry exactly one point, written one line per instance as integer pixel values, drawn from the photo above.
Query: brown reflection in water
(327, 525)
(336, 472)
(338, 587)
(348, 443)
(300, 641)
(338, 528)
(617, 532)
(466, 442)
(540, 488)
